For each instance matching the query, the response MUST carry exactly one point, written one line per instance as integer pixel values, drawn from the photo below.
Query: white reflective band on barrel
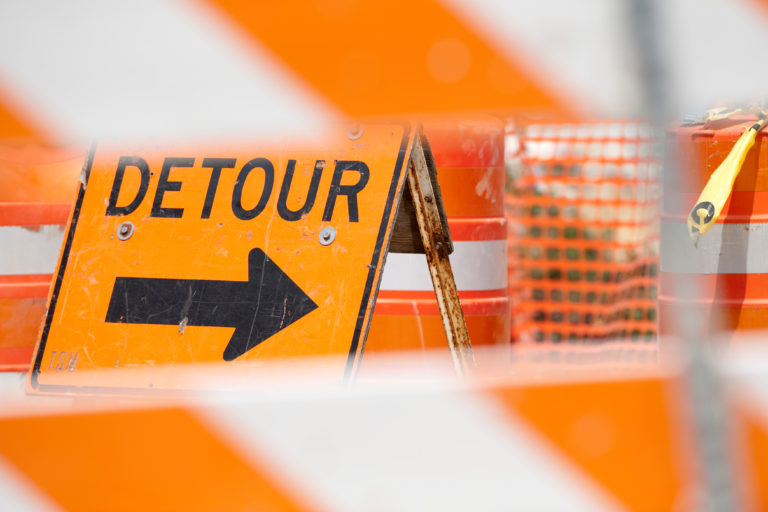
(725, 249)
(476, 266)
(30, 250)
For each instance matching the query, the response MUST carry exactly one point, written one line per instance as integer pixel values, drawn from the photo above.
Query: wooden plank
(405, 235)
(433, 233)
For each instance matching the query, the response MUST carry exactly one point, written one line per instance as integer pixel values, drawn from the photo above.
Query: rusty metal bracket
(432, 228)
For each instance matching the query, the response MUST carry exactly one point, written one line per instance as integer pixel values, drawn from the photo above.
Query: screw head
(355, 131)
(327, 236)
(125, 231)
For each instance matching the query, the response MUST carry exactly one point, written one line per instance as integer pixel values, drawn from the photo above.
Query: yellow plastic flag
(718, 188)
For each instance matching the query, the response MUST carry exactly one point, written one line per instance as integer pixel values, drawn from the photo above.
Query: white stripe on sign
(420, 451)
(476, 266)
(30, 250)
(151, 68)
(724, 249)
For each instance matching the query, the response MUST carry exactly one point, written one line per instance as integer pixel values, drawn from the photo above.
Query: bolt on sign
(241, 255)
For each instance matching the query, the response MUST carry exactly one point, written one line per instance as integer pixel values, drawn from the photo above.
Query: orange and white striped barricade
(469, 158)
(588, 440)
(473, 55)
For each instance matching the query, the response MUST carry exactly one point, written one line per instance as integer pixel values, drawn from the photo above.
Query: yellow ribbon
(712, 199)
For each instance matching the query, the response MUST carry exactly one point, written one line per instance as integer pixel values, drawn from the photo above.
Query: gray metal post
(703, 388)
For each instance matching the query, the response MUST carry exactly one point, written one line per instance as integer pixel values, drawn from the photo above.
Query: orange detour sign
(187, 254)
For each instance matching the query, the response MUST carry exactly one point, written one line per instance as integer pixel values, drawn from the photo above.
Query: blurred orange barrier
(32, 172)
(31, 236)
(583, 212)
(567, 444)
(750, 444)
(729, 264)
(449, 66)
(469, 157)
(10, 123)
(573, 428)
(745, 366)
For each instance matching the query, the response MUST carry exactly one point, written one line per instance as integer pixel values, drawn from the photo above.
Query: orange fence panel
(582, 215)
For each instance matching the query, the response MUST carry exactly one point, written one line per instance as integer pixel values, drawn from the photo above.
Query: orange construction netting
(582, 205)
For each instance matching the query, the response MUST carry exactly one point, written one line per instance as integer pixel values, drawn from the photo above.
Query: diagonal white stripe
(415, 451)
(18, 494)
(710, 49)
(577, 48)
(714, 52)
(147, 68)
(745, 367)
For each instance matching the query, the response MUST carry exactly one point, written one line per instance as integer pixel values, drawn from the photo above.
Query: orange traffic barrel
(37, 185)
(728, 267)
(31, 235)
(469, 155)
(582, 206)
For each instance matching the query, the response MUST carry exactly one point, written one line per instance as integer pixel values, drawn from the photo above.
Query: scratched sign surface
(239, 255)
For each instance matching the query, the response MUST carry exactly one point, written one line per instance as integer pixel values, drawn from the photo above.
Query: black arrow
(258, 308)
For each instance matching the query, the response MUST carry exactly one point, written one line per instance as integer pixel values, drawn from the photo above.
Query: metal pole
(701, 382)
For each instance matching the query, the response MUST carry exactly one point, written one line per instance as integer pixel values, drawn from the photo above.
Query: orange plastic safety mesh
(582, 206)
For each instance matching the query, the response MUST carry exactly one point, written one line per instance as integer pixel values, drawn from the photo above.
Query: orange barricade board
(243, 254)
(605, 434)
